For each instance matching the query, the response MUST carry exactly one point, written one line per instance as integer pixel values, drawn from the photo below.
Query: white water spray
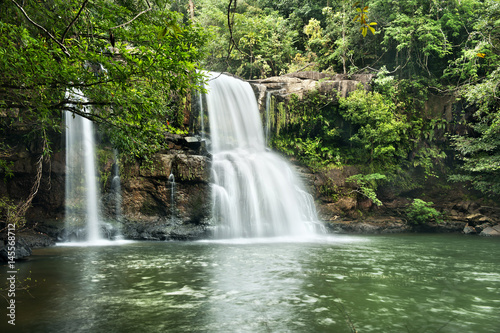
(202, 118)
(255, 192)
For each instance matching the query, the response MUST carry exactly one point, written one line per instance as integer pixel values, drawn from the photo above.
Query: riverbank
(29, 239)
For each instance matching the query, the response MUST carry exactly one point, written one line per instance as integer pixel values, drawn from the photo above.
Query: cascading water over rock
(255, 192)
(171, 179)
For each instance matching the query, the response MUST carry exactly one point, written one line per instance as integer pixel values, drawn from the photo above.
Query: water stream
(116, 187)
(171, 179)
(268, 117)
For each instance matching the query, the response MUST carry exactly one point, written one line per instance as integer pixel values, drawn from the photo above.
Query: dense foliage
(419, 50)
(134, 61)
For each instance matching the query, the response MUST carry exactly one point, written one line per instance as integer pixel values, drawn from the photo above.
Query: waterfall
(268, 118)
(202, 120)
(82, 194)
(116, 187)
(171, 179)
(255, 192)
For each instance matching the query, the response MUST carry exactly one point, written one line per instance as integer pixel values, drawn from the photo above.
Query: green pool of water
(396, 283)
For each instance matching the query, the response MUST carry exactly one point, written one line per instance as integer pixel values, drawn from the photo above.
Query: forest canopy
(417, 48)
(134, 61)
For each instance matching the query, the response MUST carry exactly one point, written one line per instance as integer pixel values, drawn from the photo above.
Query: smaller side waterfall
(267, 126)
(171, 179)
(202, 120)
(82, 193)
(116, 187)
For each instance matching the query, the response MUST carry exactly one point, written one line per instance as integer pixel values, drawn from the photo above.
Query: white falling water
(268, 118)
(171, 179)
(202, 117)
(255, 192)
(82, 193)
(116, 187)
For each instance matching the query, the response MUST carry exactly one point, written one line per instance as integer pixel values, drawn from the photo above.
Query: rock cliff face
(301, 82)
(148, 211)
(336, 200)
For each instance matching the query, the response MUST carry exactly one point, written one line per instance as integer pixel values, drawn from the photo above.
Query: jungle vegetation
(136, 61)
(418, 49)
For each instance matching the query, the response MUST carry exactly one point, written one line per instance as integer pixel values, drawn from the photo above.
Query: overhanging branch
(74, 20)
(135, 17)
(63, 48)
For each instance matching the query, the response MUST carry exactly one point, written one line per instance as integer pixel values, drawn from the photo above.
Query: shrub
(421, 212)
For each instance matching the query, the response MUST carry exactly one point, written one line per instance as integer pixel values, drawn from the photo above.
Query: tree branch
(63, 48)
(135, 17)
(230, 23)
(74, 20)
(23, 208)
(232, 43)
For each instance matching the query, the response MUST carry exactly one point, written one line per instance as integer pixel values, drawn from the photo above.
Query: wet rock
(193, 142)
(36, 239)
(466, 206)
(386, 225)
(162, 230)
(469, 230)
(474, 217)
(346, 204)
(161, 166)
(193, 168)
(21, 250)
(480, 227)
(442, 227)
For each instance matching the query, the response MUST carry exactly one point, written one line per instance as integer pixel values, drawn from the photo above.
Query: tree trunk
(191, 10)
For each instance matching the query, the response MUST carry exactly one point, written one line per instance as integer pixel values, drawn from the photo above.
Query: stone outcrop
(300, 83)
(148, 210)
(147, 193)
(22, 250)
(146, 197)
(478, 219)
(491, 231)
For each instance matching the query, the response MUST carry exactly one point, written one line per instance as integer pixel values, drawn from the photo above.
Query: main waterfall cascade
(82, 193)
(255, 192)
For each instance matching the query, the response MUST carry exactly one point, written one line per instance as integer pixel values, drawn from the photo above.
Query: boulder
(21, 250)
(469, 230)
(161, 166)
(192, 168)
(300, 83)
(491, 231)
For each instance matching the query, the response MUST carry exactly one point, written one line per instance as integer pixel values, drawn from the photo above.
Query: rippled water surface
(397, 283)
